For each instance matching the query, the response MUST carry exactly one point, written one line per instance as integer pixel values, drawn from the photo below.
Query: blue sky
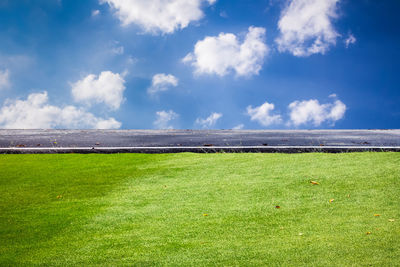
(204, 64)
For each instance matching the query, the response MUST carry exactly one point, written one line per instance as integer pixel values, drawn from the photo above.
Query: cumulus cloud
(306, 27)
(36, 113)
(209, 121)
(158, 16)
(107, 88)
(224, 53)
(350, 40)
(262, 114)
(311, 111)
(4, 79)
(162, 82)
(164, 118)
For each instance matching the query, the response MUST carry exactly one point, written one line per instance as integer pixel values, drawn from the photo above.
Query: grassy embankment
(200, 209)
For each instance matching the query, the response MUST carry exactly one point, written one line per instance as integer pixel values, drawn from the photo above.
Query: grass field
(200, 209)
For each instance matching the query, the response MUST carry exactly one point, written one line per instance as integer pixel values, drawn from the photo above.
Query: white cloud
(36, 113)
(306, 27)
(162, 82)
(333, 95)
(210, 121)
(107, 88)
(262, 114)
(223, 14)
(224, 53)
(238, 127)
(131, 60)
(95, 13)
(158, 16)
(311, 111)
(4, 79)
(164, 118)
(118, 50)
(350, 40)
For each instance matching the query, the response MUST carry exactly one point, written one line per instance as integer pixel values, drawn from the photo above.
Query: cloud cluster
(107, 88)
(225, 53)
(158, 16)
(164, 118)
(210, 121)
(300, 113)
(262, 114)
(4, 79)
(162, 82)
(36, 113)
(306, 27)
(311, 111)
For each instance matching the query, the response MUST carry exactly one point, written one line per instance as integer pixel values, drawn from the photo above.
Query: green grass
(131, 209)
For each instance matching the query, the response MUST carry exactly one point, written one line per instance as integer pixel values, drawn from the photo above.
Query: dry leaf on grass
(314, 182)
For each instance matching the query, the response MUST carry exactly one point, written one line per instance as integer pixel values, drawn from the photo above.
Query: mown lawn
(200, 209)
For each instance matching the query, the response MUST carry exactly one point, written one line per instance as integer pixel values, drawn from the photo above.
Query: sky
(199, 64)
